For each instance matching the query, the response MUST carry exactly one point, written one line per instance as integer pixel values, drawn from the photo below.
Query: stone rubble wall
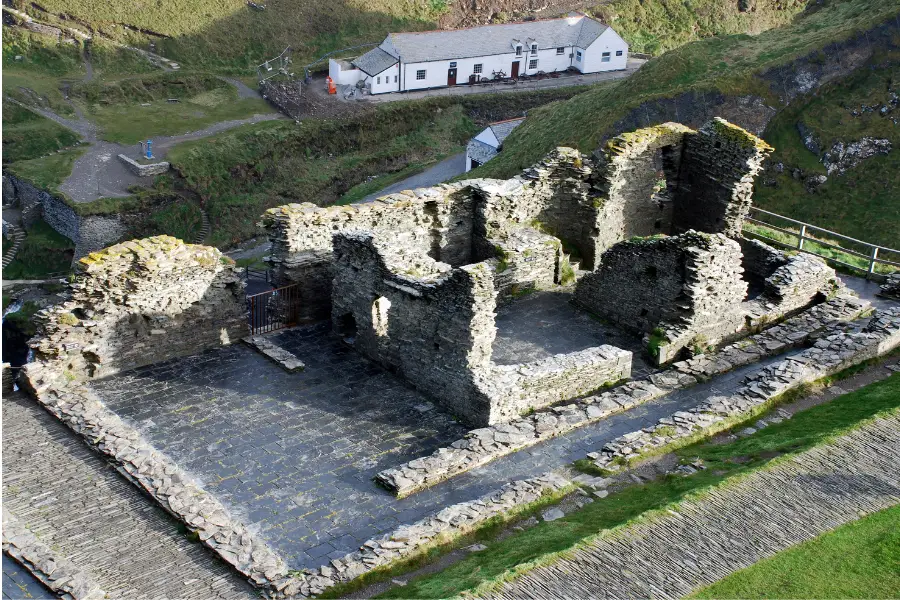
(515, 389)
(891, 287)
(142, 170)
(133, 304)
(715, 182)
(408, 540)
(424, 319)
(528, 260)
(481, 446)
(689, 285)
(137, 303)
(631, 164)
(61, 576)
(830, 354)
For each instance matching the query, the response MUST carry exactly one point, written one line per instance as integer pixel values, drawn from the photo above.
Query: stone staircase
(18, 237)
(204, 228)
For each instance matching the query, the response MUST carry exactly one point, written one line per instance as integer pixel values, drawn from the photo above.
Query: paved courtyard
(293, 455)
(545, 323)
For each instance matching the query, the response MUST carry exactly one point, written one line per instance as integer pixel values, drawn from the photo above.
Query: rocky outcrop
(844, 156)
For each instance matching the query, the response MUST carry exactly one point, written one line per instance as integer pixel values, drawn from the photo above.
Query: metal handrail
(872, 256)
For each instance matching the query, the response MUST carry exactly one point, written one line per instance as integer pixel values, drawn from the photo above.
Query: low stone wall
(58, 574)
(408, 540)
(484, 445)
(514, 389)
(143, 170)
(891, 287)
(831, 354)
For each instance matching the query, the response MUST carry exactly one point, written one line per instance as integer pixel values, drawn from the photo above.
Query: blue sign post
(149, 148)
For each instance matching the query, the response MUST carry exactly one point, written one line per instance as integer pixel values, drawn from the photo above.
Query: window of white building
(477, 68)
(532, 64)
(604, 57)
(560, 50)
(378, 80)
(618, 53)
(420, 74)
(534, 49)
(578, 55)
(518, 50)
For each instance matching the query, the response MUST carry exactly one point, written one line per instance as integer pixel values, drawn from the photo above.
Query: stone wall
(527, 260)
(138, 303)
(96, 232)
(686, 289)
(715, 182)
(143, 170)
(432, 323)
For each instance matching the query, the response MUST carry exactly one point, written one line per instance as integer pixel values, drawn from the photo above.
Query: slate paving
(81, 508)
(545, 323)
(19, 584)
(293, 454)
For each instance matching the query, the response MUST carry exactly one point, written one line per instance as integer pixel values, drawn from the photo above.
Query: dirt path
(438, 173)
(731, 527)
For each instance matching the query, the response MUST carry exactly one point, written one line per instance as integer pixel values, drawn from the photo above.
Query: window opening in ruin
(380, 309)
(347, 328)
(650, 271)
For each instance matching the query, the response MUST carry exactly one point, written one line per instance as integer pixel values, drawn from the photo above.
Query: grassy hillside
(728, 64)
(862, 202)
(230, 35)
(27, 135)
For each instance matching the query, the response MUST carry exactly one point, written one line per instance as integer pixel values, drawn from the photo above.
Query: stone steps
(95, 520)
(204, 228)
(731, 527)
(18, 237)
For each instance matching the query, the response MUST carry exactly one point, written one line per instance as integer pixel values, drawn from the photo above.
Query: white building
(485, 146)
(432, 59)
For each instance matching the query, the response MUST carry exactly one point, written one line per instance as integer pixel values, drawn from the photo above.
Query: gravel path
(731, 527)
(89, 514)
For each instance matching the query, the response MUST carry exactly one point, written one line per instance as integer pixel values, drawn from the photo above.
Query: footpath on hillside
(673, 553)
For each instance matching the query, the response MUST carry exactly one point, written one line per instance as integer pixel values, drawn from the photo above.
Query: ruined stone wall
(431, 323)
(630, 168)
(138, 303)
(527, 260)
(715, 181)
(686, 289)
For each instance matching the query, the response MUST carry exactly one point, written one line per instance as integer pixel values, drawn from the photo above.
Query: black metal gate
(275, 309)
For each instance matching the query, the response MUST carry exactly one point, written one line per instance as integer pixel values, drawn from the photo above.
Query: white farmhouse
(432, 59)
(485, 146)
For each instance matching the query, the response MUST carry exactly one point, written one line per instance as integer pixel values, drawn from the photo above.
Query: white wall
(488, 137)
(609, 41)
(386, 81)
(343, 76)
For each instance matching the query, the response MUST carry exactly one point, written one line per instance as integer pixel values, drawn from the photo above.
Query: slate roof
(374, 61)
(479, 151)
(489, 40)
(502, 129)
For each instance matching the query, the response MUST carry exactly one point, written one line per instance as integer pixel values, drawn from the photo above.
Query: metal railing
(274, 309)
(257, 274)
(812, 240)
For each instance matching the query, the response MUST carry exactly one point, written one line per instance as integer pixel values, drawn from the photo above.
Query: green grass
(48, 172)
(361, 190)
(43, 251)
(859, 203)
(27, 135)
(23, 319)
(857, 560)
(169, 215)
(831, 254)
(806, 429)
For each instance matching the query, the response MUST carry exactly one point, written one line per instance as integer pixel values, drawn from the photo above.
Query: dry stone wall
(715, 181)
(682, 288)
(138, 303)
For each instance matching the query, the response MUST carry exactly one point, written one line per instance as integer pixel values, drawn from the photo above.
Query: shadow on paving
(292, 455)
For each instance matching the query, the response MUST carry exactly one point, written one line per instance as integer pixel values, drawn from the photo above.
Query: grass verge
(27, 135)
(48, 172)
(525, 550)
(857, 560)
(43, 251)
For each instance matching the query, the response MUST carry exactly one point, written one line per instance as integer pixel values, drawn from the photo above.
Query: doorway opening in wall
(380, 309)
(346, 328)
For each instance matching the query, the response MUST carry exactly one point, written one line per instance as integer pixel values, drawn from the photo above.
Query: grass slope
(860, 203)
(857, 560)
(43, 251)
(27, 135)
(229, 35)
(727, 64)
(805, 430)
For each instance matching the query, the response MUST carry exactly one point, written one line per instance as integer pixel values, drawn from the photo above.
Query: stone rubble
(61, 576)
(891, 287)
(481, 446)
(278, 354)
(842, 157)
(406, 540)
(832, 353)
